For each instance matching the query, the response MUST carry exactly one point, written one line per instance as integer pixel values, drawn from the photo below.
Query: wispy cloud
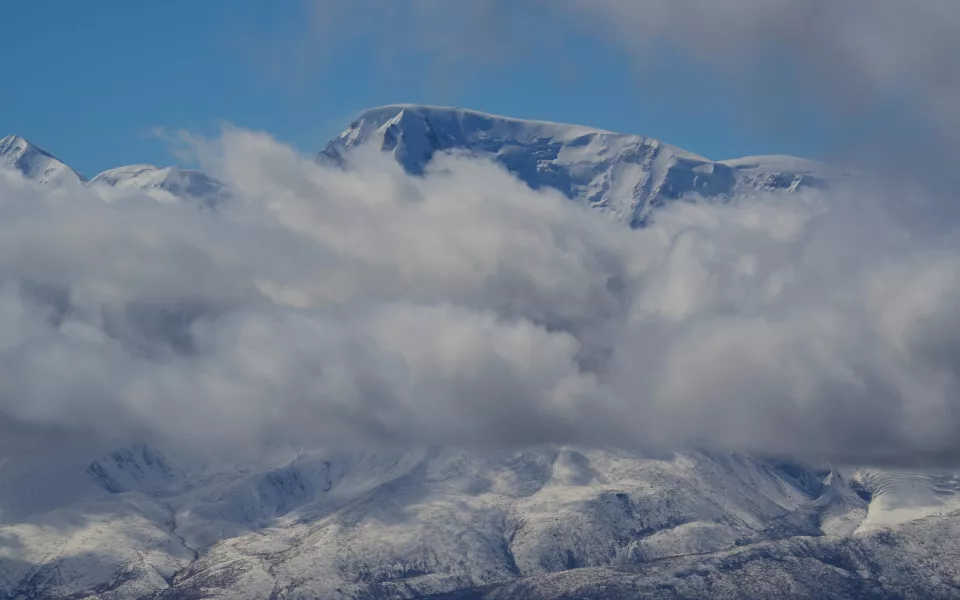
(882, 72)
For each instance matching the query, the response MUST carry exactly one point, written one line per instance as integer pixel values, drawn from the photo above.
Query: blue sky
(91, 81)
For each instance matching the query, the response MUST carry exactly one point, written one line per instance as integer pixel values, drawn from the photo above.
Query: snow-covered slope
(170, 182)
(547, 522)
(33, 163)
(318, 524)
(906, 495)
(166, 183)
(917, 560)
(627, 175)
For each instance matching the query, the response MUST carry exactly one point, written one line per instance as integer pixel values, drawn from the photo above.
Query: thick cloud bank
(367, 306)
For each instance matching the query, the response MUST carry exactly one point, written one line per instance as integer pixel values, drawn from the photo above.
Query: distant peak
(138, 167)
(34, 162)
(128, 170)
(16, 143)
(13, 139)
(20, 145)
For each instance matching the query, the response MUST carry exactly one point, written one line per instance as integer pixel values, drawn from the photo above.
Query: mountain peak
(428, 111)
(178, 182)
(13, 140)
(623, 174)
(35, 163)
(18, 146)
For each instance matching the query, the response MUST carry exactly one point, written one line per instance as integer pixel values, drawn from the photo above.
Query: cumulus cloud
(367, 306)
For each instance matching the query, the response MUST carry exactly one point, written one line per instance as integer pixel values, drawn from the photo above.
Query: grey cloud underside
(407, 377)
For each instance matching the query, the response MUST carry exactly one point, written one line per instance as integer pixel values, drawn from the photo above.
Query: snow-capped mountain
(177, 182)
(166, 183)
(34, 163)
(549, 522)
(627, 175)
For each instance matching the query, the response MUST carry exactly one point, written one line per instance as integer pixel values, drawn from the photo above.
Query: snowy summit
(627, 175)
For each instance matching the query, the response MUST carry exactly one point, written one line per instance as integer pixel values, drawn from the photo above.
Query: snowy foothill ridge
(134, 523)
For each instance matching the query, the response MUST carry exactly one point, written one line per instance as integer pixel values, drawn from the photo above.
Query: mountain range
(547, 522)
(168, 183)
(624, 175)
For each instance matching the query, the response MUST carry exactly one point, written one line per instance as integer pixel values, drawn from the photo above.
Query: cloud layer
(367, 306)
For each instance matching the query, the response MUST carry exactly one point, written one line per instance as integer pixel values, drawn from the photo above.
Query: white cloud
(368, 306)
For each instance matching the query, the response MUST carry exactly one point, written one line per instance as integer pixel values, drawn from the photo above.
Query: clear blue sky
(89, 82)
